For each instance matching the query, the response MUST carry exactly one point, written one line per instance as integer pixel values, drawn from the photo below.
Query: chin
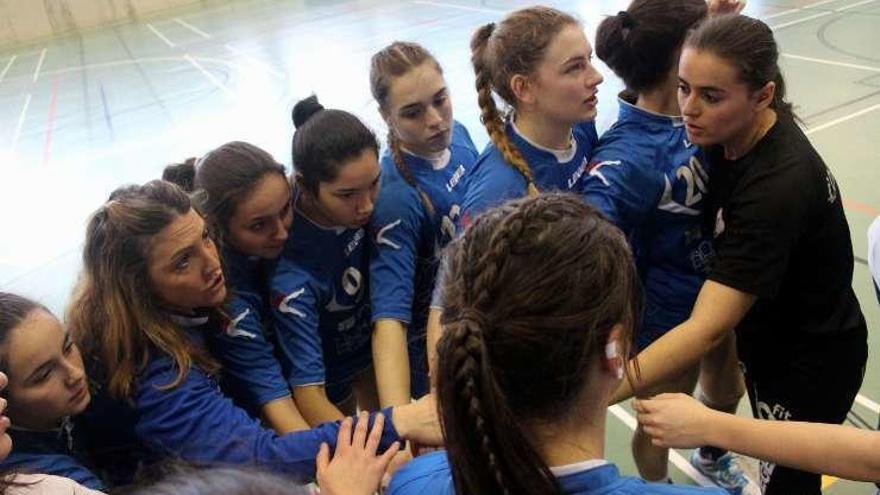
(218, 299)
(83, 405)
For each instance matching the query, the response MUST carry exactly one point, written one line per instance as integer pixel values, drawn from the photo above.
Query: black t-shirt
(781, 235)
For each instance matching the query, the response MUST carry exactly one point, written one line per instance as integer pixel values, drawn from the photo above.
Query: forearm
(283, 416)
(316, 408)
(805, 446)
(435, 331)
(391, 362)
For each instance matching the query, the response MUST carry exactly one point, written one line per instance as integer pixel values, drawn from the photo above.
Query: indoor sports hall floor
(81, 114)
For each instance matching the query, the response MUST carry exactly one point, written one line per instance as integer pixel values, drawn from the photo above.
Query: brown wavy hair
(533, 290)
(115, 316)
(516, 45)
(393, 61)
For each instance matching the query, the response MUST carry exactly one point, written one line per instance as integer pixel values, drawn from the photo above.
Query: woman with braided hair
(537, 60)
(423, 173)
(542, 299)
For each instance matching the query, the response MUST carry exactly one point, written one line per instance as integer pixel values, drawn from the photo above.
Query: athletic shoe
(726, 473)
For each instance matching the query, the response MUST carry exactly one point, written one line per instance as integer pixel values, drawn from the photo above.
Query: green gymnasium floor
(81, 114)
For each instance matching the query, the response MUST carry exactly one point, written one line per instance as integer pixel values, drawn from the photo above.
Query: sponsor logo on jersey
(595, 169)
(232, 329)
(719, 222)
(354, 242)
(576, 175)
(455, 179)
(285, 307)
(381, 238)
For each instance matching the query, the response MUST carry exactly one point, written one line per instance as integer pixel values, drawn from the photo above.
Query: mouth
(80, 394)
(593, 99)
(692, 128)
(217, 283)
(440, 136)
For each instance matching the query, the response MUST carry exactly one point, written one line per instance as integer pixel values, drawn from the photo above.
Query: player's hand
(674, 420)
(355, 468)
(418, 422)
(5, 441)
(721, 7)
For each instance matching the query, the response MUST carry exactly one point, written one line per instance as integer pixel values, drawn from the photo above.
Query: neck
(744, 142)
(307, 204)
(576, 439)
(543, 131)
(662, 99)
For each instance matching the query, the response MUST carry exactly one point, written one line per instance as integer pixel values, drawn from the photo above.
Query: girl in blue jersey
(538, 61)
(424, 170)
(320, 295)
(541, 301)
(47, 385)
(246, 202)
(648, 179)
(149, 295)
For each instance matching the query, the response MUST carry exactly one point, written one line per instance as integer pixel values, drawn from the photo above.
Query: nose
(280, 233)
(365, 207)
(75, 373)
(689, 104)
(212, 261)
(594, 78)
(434, 117)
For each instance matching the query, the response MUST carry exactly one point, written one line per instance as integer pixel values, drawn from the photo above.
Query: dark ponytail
(641, 44)
(182, 174)
(324, 141)
(534, 288)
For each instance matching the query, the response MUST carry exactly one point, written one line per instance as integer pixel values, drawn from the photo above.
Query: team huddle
(386, 295)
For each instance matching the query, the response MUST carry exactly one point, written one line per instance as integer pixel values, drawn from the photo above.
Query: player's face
(261, 221)
(47, 380)
(419, 111)
(717, 106)
(348, 201)
(566, 81)
(184, 267)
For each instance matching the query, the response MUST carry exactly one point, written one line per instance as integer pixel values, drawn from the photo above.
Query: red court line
(861, 208)
(50, 121)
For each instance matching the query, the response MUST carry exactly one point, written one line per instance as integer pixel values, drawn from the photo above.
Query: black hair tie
(626, 19)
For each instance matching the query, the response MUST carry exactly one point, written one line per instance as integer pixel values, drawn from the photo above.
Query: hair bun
(305, 109)
(181, 174)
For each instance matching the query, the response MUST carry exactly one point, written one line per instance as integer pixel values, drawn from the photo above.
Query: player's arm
(282, 416)
(315, 406)
(718, 310)
(679, 421)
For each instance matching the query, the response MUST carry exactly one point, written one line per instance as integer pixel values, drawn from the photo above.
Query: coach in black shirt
(782, 271)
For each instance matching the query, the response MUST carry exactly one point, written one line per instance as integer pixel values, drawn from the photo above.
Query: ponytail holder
(626, 19)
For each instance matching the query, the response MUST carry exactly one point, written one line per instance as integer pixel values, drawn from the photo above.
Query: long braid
(403, 168)
(489, 114)
(469, 375)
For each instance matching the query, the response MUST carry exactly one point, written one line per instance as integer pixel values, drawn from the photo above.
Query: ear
(615, 352)
(523, 89)
(765, 95)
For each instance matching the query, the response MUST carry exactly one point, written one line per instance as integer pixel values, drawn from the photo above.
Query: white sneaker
(726, 473)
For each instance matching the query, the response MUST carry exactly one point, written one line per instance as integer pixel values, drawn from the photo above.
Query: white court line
(821, 14)
(674, 457)
(461, 7)
(160, 36)
(21, 117)
(39, 64)
(6, 69)
(208, 75)
(192, 28)
(800, 21)
(868, 403)
(807, 6)
(831, 62)
(842, 119)
(254, 61)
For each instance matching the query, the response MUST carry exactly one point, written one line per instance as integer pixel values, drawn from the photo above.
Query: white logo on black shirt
(719, 222)
(832, 187)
